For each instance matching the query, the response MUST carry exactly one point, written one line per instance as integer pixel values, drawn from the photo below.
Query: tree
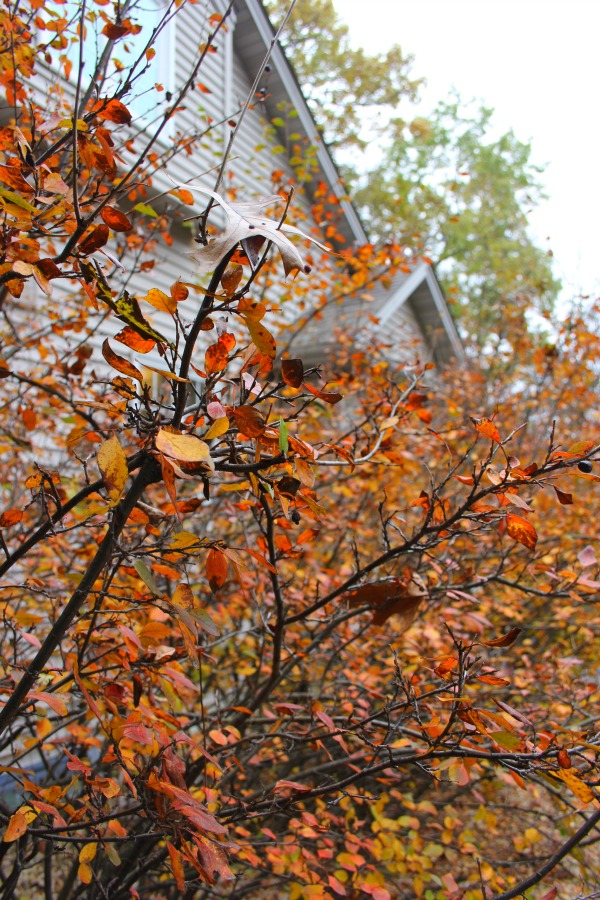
(212, 683)
(444, 187)
(343, 85)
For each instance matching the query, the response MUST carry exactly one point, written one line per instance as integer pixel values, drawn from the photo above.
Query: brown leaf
(521, 530)
(113, 31)
(231, 279)
(115, 219)
(563, 496)
(506, 640)
(394, 596)
(121, 364)
(292, 372)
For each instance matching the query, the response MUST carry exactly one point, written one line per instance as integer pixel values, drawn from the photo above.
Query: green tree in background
(444, 186)
(341, 84)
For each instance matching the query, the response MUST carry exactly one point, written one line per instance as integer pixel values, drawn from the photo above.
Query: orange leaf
(177, 867)
(249, 421)
(115, 219)
(493, 679)
(216, 569)
(135, 341)
(216, 358)
(114, 111)
(506, 640)
(328, 396)
(17, 825)
(56, 703)
(10, 517)
(521, 530)
(179, 292)
(447, 665)
(486, 428)
(121, 364)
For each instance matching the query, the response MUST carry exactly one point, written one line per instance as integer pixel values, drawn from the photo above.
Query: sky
(537, 63)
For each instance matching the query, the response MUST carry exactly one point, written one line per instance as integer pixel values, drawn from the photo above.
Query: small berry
(585, 466)
(295, 517)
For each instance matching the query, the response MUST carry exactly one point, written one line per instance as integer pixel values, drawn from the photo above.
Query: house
(278, 143)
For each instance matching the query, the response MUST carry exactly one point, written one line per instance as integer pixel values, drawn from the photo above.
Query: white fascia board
(444, 313)
(281, 65)
(399, 297)
(423, 273)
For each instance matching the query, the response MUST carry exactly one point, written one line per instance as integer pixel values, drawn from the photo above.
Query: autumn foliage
(266, 634)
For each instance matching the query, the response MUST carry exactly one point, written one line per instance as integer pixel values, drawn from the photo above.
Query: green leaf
(17, 200)
(146, 210)
(146, 575)
(283, 436)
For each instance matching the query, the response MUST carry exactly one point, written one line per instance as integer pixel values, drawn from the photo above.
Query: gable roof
(419, 290)
(412, 308)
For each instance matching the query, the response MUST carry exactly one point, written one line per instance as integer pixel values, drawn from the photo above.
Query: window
(155, 67)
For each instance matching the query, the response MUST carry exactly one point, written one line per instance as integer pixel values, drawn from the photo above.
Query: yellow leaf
(159, 300)
(184, 447)
(218, 428)
(85, 873)
(112, 463)
(575, 784)
(88, 853)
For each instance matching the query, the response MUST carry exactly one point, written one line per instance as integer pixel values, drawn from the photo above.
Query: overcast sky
(537, 63)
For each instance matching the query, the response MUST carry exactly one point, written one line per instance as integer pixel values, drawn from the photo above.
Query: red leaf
(93, 241)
